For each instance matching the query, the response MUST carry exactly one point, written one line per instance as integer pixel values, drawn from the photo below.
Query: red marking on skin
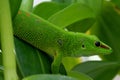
(103, 46)
(37, 20)
(27, 14)
(19, 12)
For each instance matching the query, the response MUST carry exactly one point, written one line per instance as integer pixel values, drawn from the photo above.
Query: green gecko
(56, 42)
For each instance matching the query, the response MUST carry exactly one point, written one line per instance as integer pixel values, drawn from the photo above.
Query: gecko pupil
(97, 43)
(83, 46)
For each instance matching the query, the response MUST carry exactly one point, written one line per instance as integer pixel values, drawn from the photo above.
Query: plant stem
(27, 5)
(7, 42)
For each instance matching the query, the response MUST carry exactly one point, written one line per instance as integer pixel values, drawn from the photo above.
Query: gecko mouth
(104, 46)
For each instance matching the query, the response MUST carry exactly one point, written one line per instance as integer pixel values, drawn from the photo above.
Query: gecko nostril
(97, 43)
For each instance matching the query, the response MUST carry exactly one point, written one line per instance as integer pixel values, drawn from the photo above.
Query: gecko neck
(76, 40)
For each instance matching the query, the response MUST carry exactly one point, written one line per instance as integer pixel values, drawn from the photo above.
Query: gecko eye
(83, 46)
(97, 43)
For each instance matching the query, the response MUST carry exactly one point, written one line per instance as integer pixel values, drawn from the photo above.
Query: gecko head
(91, 45)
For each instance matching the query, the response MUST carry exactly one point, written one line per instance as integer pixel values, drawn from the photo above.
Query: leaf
(117, 2)
(14, 5)
(82, 26)
(70, 62)
(107, 29)
(30, 60)
(79, 75)
(95, 5)
(1, 76)
(46, 9)
(98, 70)
(33, 61)
(49, 77)
(1, 72)
(1, 60)
(64, 1)
(1, 68)
(72, 14)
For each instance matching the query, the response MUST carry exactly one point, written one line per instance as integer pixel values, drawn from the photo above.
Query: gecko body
(55, 41)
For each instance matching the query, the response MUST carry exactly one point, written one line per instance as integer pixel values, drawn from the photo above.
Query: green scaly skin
(55, 41)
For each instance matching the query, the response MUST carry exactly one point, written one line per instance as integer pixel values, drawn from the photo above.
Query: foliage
(99, 17)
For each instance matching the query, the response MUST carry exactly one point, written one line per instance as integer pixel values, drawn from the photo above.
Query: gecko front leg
(56, 62)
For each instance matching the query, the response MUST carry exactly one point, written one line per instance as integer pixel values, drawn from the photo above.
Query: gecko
(55, 41)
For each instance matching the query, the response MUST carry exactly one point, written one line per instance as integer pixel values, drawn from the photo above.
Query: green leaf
(82, 26)
(64, 1)
(116, 2)
(1, 60)
(71, 15)
(95, 5)
(1, 76)
(70, 62)
(1, 68)
(31, 60)
(49, 77)
(107, 29)
(79, 75)
(98, 70)
(46, 9)
(1, 72)
(14, 5)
